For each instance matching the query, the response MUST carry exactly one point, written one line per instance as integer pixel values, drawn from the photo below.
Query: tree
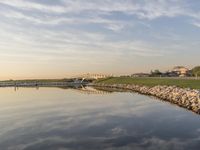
(156, 73)
(196, 71)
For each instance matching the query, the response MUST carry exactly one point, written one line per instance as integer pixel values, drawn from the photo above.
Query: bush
(156, 73)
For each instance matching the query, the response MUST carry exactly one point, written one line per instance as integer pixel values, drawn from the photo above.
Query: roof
(180, 67)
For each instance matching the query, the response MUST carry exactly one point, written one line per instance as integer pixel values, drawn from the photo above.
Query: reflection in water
(53, 118)
(82, 89)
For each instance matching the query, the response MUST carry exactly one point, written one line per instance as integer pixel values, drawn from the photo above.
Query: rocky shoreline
(186, 98)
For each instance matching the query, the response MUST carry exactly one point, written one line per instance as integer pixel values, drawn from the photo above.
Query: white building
(95, 76)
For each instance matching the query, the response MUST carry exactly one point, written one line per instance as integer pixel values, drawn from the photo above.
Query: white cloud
(115, 27)
(197, 24)
(27, 5)
(142, 9)
(93, 10)
(147, 9)
(80, 39)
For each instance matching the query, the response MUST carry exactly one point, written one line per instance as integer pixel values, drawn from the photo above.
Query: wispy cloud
(144, 9)
(77, 29)
(197, 24)
(28, 5)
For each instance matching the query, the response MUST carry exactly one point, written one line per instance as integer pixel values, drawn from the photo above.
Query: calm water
(69, 119)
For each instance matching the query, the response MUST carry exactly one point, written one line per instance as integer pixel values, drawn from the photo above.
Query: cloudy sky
(59, 38)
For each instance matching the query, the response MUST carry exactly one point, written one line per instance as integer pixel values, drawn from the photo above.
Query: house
(140, 75)
(181, 71)
(95, 76)
(170, 74)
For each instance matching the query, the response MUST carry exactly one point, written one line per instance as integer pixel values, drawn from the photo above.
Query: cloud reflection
(64, 119)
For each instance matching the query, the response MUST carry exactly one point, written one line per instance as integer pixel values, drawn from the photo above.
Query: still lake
(88, 119)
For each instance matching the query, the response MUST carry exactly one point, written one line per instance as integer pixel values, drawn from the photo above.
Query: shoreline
(183, 97)
(40, 84)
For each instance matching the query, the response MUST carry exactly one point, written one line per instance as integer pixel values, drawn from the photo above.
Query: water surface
(82, 119)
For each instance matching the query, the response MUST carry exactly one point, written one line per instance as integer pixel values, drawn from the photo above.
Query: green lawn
(185, 83)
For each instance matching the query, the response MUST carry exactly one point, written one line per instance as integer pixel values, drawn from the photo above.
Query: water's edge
(186, 98)
(42, 84)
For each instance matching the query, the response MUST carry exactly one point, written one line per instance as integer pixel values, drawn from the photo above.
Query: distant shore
(185, 93)
(46, 83)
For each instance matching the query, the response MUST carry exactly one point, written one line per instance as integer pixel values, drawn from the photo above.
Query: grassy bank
(184, 83)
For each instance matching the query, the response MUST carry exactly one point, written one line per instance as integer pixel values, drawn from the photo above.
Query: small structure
(140, 75)
(93, 76)
(96, 76)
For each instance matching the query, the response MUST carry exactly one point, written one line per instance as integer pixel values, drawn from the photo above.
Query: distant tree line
(195, 72)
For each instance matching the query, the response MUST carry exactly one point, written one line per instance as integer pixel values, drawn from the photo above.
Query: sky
(61, 38)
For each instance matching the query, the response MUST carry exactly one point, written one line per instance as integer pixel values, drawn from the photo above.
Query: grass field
(184, 83)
